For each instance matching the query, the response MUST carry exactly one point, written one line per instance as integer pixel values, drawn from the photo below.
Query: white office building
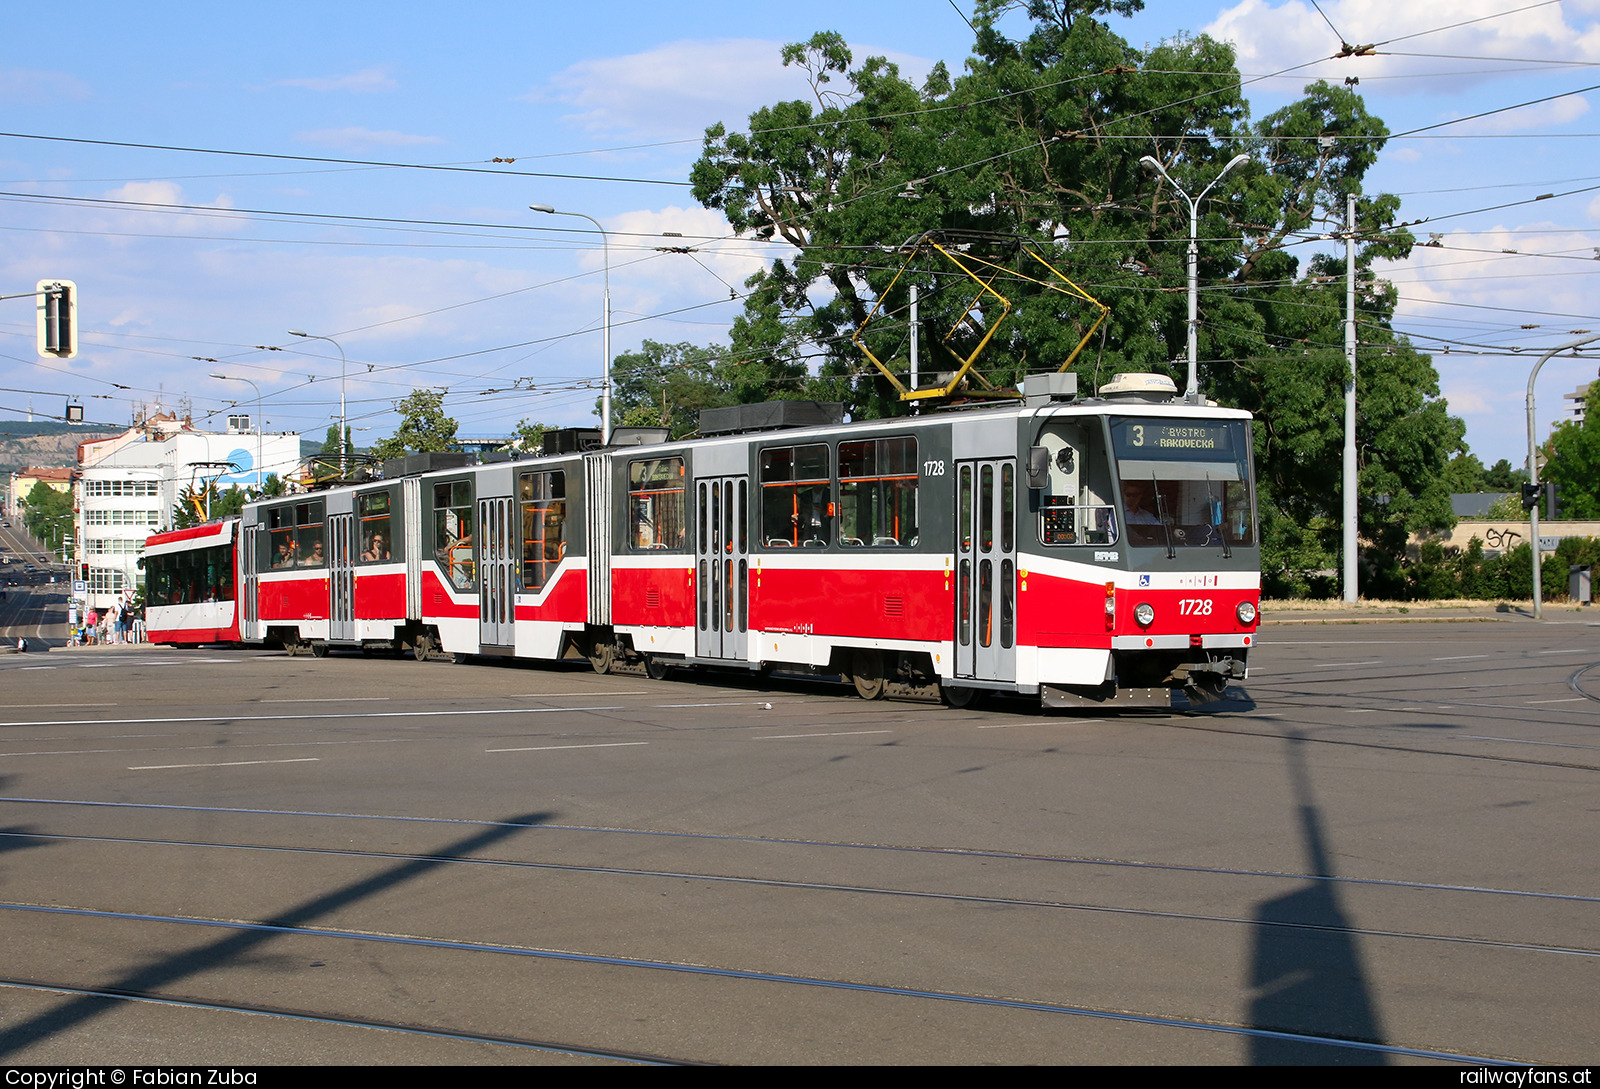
(129, 484)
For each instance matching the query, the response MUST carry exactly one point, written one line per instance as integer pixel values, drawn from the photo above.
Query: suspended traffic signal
(58, 318)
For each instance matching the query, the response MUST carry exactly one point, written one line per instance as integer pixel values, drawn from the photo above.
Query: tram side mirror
(1038, 467)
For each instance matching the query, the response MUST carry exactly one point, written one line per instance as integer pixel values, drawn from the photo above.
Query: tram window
(1008, 492)
(184, 578)
(453, 543)
(1185, 482)
(279, 538)
(795, 483)
(878, 493)
(965, 527)
(377, 540)
(544, 526)
(308, 544)
(1075, 506)
(655, 504)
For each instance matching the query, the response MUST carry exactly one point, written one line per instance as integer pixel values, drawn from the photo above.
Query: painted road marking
(550, 748)
(230, 764)
(846, 733)
(320, 718)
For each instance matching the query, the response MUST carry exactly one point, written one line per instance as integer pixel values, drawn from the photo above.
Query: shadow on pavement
(236, 945)
(1309, 981)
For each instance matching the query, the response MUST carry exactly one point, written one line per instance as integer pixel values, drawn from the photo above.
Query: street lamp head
(1149, 162)
(298, 333)
(220, 377)
(547, 208)
(1235, 161)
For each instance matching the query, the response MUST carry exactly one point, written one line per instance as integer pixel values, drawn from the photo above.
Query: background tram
(190, 589)
(1080, 550)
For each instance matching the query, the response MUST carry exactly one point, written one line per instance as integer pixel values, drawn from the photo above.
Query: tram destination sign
(1176, 440)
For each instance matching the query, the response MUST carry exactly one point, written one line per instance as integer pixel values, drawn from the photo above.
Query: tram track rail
(898, 848)
(842, 888)
(1575, 682)
(433, 1032)
(783, 979)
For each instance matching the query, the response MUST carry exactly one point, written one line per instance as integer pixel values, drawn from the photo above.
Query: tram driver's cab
(1075, 502)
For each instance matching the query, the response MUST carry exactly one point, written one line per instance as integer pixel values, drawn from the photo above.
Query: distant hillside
(24, 444)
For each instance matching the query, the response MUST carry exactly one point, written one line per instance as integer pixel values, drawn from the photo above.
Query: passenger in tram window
(1138, 499)
(377, 548)
(285, 556)
(315, 559)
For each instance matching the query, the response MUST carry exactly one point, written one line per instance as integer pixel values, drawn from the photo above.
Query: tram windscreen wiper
(1161, 515)
(1227, 549)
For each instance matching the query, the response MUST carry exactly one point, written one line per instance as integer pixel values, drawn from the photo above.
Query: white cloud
(684, 86)
(718, 265)
(1270, 37)
(1469, 398)
(159, 193)
(1537, 117)
(365, 81)
(354, 137)
(32, 85)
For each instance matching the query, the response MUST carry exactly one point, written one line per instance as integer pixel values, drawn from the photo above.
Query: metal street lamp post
(260, 444)
(1192, 393)
(605, 346)
(1533, 469)
(335, 343)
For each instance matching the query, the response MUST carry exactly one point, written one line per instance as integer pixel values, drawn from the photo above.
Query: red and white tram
(191, 576)
(1081, 550)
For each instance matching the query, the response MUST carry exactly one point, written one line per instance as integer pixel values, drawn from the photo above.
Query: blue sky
(505, 316)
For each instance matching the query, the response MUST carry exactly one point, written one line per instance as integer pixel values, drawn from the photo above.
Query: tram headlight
(1144, 613)
(1246, 612)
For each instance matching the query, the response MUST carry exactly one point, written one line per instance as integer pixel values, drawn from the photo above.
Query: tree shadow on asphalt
(1309, 981)
(233, 948)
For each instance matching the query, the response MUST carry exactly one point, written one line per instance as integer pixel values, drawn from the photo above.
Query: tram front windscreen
(1184, 483)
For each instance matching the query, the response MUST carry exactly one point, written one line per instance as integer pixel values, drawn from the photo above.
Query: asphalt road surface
(1382, 852)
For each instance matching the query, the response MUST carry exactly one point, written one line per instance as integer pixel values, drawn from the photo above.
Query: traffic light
(1531, 494)
(57, 323)
(1552, 500)
(83, 572)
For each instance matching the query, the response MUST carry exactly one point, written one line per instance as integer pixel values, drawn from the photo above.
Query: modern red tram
(190, 585)
(1080, 550)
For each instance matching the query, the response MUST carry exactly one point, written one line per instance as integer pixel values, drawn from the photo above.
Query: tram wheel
(291, 647)
(866, 670)
(319, 649)
(655, 668)
(422, 649)
(959, 697)
(603, 656)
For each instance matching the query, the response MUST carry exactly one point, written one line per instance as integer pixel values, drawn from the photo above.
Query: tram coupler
(1206, 682)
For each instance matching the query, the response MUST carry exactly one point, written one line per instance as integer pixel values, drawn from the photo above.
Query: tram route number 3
(1194, 606)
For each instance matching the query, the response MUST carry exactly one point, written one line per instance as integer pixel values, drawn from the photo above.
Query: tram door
(498, 556)
(986, 569)
(251, 582)
(722, 567)
(341, 578)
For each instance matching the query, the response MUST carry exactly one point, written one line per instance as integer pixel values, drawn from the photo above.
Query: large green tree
(1574, 460)
(423, 426)
(1040, 142)
(48, 515)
